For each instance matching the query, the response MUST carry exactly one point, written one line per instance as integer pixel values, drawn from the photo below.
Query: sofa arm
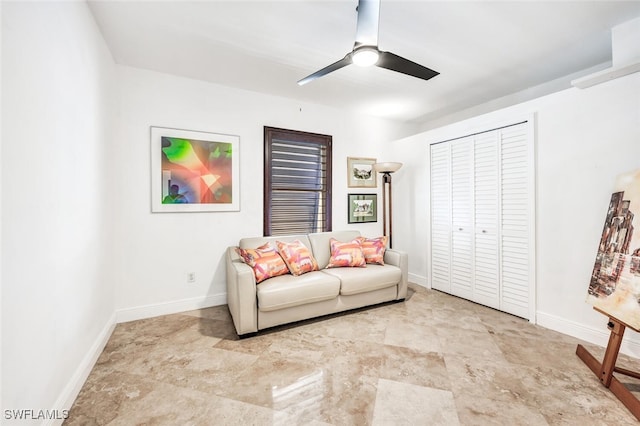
(401, 260)
(241, 293)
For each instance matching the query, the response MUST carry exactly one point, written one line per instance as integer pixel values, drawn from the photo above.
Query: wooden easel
(605, 370)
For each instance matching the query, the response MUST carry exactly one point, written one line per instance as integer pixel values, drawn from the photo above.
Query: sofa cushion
(265, 261)
(360, 280)
(251, 242)
(346, 254)
(320, 244)
(297, 256)
(373, 249)
(287, 290)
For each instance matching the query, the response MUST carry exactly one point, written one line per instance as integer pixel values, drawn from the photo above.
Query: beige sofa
(289, 298)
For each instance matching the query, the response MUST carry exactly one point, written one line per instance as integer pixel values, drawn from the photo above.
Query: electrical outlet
(191, 277)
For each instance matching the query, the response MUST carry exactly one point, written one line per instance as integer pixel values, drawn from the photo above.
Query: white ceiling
(483, 50)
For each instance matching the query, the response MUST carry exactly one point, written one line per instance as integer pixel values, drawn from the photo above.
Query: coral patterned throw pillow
(265, 261)
(297, 257)
(346, 254)
(373, 249)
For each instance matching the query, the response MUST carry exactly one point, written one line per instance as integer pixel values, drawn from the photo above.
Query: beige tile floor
(431, 360)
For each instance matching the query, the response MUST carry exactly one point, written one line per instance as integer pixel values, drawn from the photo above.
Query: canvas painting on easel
(615, 282)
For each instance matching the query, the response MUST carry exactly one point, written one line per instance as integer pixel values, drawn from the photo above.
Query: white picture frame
(203, 166)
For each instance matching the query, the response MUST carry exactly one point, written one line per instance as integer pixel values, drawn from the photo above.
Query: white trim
(473, 126)
(533, 215)
(428, 288)
(597, 336)
(606, 75)
(73, 387)
(167, 308)
(419, 279)
(427, 254)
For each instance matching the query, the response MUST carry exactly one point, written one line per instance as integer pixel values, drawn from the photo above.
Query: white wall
(157, 250)
(57, 295)
(1, 259)
(585, 138)
(410, 198)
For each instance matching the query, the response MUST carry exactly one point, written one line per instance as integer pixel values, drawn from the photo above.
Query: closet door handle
(459, 229)
(484, 231)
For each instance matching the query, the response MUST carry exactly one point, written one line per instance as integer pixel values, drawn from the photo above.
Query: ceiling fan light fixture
(365, 56)
(365, 50)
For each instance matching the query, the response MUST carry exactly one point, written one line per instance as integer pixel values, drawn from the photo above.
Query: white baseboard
(71, 391)
(597, 336)
(418, 279)
(166, 308)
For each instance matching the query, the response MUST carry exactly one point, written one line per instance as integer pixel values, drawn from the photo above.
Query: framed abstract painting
(194, 171)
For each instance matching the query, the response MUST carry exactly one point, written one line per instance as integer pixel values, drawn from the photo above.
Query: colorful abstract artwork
(615, 281)
(194, 171)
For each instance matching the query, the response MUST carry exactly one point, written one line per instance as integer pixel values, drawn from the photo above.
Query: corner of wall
(77, 380)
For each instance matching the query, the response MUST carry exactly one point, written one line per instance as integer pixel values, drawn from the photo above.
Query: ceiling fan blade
(399, 64)
(368, 19)
(326, 70)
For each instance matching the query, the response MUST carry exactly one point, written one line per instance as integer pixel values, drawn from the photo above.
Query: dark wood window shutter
(297, 182)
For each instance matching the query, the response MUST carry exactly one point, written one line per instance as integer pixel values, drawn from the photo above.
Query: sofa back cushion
(321, 244)
(253, 242)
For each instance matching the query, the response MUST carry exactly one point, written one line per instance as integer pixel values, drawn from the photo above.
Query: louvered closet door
(515, 221)
(486, 215)
(441, 218)
(481, 219)
(462, 217)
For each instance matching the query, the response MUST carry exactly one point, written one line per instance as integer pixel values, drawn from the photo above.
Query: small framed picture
(360, 173)
(363, 208)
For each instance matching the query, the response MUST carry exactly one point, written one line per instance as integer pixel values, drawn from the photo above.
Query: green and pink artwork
(194, 171)
(615, 281)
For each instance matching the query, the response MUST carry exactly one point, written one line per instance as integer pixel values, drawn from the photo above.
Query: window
(297, 182)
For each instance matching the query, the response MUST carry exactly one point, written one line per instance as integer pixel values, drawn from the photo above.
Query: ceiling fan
(365, 50)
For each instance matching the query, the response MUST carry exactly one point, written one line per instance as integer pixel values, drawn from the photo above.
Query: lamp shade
(387, 167)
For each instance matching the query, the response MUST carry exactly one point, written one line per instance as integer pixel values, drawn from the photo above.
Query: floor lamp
(386, 169)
